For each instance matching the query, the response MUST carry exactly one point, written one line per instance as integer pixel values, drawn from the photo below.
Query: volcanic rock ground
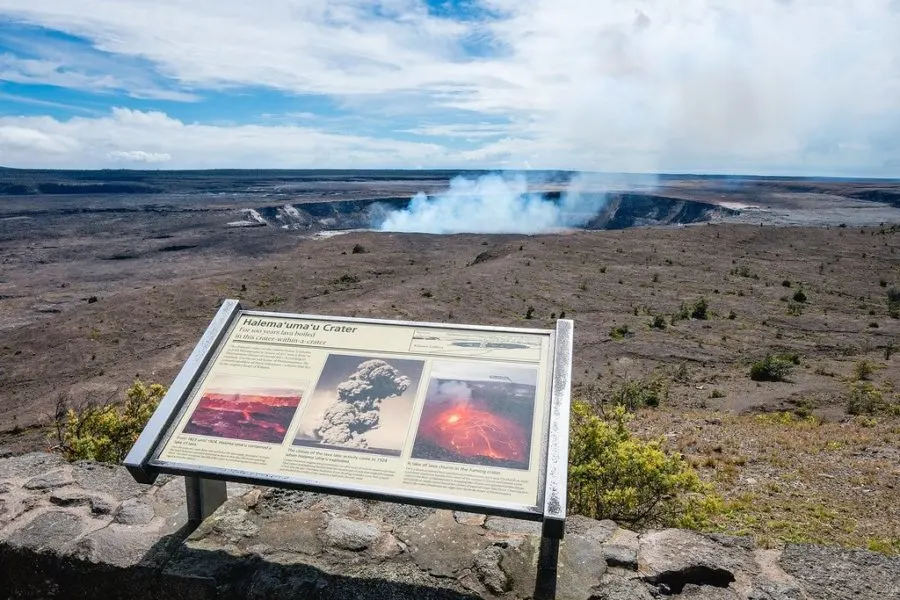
(91, 300)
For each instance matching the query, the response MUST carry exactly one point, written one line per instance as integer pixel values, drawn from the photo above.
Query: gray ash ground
(96, 289)
(89, 299)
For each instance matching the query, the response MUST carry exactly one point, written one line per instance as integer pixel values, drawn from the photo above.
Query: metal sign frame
(205, 485)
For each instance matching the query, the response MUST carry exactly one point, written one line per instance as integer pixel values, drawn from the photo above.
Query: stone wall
(87, 530)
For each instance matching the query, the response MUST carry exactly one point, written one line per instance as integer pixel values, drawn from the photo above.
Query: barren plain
(97, 288)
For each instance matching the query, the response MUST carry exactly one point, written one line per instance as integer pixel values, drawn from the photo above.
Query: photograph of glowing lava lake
(259, 414)
(478, 414)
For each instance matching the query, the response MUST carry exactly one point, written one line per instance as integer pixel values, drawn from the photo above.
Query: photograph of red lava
(244, 416)
(478, 421)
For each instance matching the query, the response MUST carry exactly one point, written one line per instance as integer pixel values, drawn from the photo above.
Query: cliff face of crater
(87, 530)
(619, 211)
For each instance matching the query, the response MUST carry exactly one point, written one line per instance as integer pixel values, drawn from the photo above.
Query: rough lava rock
(100, 535)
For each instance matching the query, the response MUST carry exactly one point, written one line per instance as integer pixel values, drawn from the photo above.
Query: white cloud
(20, 141)
(82, 142)
(468, 131)
(74, 67)
(808, 86)
(139, 156)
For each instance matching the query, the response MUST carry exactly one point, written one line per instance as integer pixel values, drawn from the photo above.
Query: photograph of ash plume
(229, 408)
(361, 403)
(479, 414)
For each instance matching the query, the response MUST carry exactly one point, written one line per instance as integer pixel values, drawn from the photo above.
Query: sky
(802, 87)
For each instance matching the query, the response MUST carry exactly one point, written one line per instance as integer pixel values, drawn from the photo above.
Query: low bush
(864, 399)
(893, 302)
(863, 370)
(639, 393)
(618, 333)
(613, 475)
(795, 309)
(106, 432)
(346, 279)
(699, 310)
(772, 368)
(658, 322)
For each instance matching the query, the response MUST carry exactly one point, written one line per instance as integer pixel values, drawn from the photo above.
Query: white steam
(496, 203)
(454, 390)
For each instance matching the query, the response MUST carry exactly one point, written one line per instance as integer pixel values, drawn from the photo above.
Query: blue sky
(808, 87)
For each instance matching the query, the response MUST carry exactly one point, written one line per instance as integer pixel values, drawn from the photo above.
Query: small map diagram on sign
(513, 346)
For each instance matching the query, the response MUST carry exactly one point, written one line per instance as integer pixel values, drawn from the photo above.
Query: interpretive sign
(446, 415)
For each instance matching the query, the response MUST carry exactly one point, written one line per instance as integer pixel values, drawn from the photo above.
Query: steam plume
(358, 405)
(454, 390)
(496, 203)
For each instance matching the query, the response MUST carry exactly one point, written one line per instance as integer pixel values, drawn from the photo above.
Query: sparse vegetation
(613, 475)
(346, 279)
(866, 399)
(744, 271)
(658, 322)
(799, 296)
(699, 309)
(771, 368)
(639, 393)
(358, 249)
(893, 302)
(794, 309)
(618, 333)
(106, 432)
(863, 370)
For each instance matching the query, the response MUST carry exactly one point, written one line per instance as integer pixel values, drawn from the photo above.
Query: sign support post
(204, 496)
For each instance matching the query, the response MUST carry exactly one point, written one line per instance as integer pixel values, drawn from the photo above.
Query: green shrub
(613, 475)
(893, 302)
(346, 279)
(658, 322)
(800, 296)
(697, 310)
(865, 399)
(772, 368)
(641, 393)
(794, 309)
(744, 271)
(106, 432)
(863, 369)
(618, 333)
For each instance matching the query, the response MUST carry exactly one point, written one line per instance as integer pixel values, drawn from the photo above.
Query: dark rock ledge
(88, 531)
